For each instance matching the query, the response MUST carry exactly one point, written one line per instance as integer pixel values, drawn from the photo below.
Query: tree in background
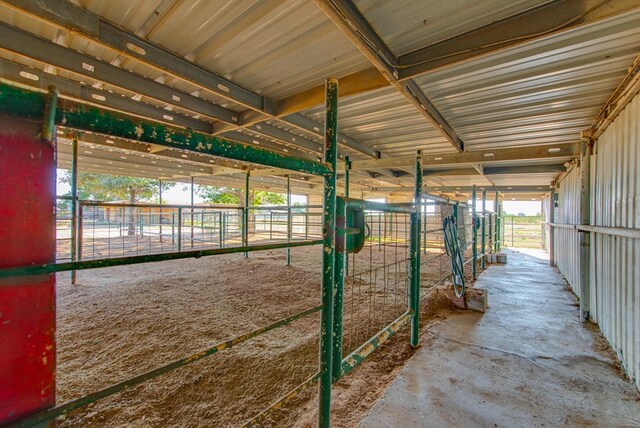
(109, 188)
(227, 195)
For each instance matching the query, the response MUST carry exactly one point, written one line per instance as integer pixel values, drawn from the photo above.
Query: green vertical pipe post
(80, 228)
(328, 252)
(414, 295)
(160, 199)
(340, 264)
(424, 227)
(498, 222)
(483, 243)
(245, 218)
(475, 232)
(173, 228)
(191, 211)
(347, 167)
(288, 219)
(74, 205)
(491, 233)
(179, 228)
(220, 228)
(270, 225)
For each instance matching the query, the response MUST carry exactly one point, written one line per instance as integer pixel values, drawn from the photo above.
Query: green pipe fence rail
(216, 231)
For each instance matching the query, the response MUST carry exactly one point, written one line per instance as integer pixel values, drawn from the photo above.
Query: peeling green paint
(17, 102)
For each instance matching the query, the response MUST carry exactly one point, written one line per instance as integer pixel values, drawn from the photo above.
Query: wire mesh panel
(272, 223)
(121, 230)
(377, 279)
(63, 229)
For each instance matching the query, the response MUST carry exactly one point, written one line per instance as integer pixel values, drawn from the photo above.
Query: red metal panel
(27, 236)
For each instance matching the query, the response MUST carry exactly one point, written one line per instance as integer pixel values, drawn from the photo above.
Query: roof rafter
(346, 16)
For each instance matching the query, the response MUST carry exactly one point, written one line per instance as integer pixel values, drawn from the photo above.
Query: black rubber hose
(452, 247)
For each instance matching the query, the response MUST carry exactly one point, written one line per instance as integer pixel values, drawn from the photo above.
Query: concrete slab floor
(527, 362)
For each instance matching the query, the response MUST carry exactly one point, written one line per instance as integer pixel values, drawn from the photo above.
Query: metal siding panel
(616, 263)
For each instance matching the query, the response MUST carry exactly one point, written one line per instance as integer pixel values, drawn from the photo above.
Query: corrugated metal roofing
(541, 92)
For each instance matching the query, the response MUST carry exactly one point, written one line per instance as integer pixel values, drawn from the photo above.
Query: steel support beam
(449, 52)
(585, 236)
(467, 189)
(27, 304)
(451, 159)
(67, 15)
(549, 19)
(357, 29)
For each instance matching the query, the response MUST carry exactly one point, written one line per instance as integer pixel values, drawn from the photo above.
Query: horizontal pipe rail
(364, 350)
(94, 264)
(603, 230)
(74, 115)
(358, 204)
(62, 409)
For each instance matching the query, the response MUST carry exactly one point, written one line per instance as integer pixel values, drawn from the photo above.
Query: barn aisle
(527, 362)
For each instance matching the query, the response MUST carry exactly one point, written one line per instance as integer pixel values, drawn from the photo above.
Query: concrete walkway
(527, 362)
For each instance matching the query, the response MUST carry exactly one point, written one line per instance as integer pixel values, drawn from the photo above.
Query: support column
(552, 231)
(27, 303)
(414, 295)
(585, 219)
(160, 200)
(328, 252)
(347, 168)
(288, 219)
(74, 206)
(245, 216)
(482, 240)
(496, 208)
(191, 211)
(475, 232)
(340, 263)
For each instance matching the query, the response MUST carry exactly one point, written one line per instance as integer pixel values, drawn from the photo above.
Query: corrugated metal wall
(567, 247)
(615, 260)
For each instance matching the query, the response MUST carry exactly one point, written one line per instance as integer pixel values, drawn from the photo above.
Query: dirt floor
(120, 322)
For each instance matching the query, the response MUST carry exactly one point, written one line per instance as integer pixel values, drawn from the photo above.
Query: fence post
(74, 205)
(27, 303)
(179, 228)
(414, 295)
(475, 232)
(288, 219)
(347, 167)
(484, 214)
(220, 228)
(328, 252)
(245, 219)
(340, 261)
(496, 244)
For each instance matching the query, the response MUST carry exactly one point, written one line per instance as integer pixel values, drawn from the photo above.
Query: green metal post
(74, 205)
(424, 228)
(160, 209)
(179, 229)
(340, 264)
(288, 219)
(220, 228)
(191, 211)
(328, 252)
(475, 232)
(496, 246)
(483, 243)
(347, 167)
(414, 295)
(245, 220)
(491, 233)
